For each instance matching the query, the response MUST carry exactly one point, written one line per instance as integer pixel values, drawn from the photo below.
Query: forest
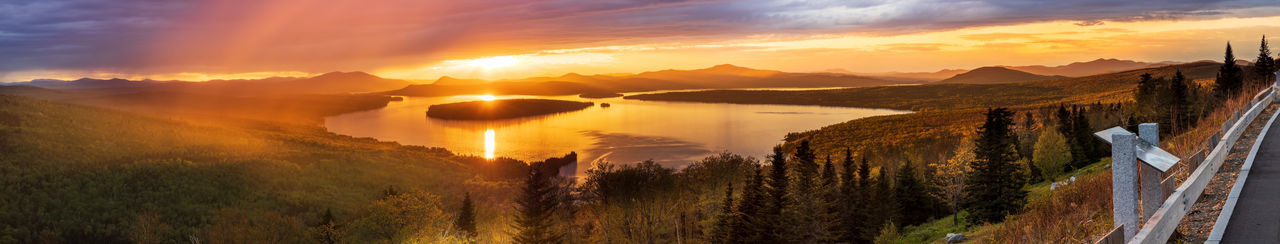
(989, 169)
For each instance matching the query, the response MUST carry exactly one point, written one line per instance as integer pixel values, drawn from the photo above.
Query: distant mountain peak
(1078, 69)
(996, 74)
(347, 75)
(727, 66)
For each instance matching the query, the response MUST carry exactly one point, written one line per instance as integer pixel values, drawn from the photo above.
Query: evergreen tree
(915, 203)
(535, 209)
(724, 225)
(466, 221)
(1147, 88)
(850, 206)
(868, 223)
(779, 200)
(1067, 127)
(885, 205)
(750, 224)
(994, 189)
(328, 231)
(1178, 104)
(806, 167)
(830, 190)
(1089, 148)
(808, 218)
(1230, 78)
(1264, 66)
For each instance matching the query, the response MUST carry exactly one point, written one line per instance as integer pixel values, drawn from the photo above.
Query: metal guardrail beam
(1161, 226)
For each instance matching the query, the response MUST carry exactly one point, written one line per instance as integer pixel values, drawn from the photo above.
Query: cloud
(237, 36)
(1090, 23)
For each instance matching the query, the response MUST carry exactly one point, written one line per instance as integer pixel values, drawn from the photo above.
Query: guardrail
(1164, 222)
(1228, 208)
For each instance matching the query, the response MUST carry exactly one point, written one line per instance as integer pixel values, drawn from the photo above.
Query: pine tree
(1084, 138)
(994, 189)
(1264, 66)
(915, 203)
(830, 190)
(1229, 79)
(885, 205)
(466, 221)
(849, 201)
(1178, 104)
(751, 224)
(724, 225)
(779, 200)
(806, 167)
(535, 209)
(867, 225)
(1067, 127)
(808, 219)
(328, 231)
(1146, 92)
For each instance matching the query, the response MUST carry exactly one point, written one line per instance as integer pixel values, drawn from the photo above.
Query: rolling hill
(950, 96)
(1097, 66)
(990, 75)
(723, 76)
(328, 83)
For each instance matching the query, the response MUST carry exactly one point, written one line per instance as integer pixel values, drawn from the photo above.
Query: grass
(1040, 194)
(82, 173)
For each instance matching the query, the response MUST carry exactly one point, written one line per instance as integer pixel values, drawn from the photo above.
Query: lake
(670, 133)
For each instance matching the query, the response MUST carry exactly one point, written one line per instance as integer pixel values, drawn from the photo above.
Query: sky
(496, 39)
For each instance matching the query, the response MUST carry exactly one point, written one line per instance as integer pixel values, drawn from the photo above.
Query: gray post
(1124, 187)
(1152, 195)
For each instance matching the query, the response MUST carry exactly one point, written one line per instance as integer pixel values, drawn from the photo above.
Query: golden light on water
(489, 144)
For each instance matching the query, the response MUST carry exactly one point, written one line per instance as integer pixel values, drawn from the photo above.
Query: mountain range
(328, 83)
(1076, 69)
(724, 76)
(996, 74)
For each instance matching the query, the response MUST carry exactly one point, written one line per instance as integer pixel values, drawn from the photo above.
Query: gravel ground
(1195, 227)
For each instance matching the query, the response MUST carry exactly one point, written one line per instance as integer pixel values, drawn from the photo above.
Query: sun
(494, 62)
(487, 97)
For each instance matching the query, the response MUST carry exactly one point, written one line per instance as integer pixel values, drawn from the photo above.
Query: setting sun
(494, 62)
(487, 97)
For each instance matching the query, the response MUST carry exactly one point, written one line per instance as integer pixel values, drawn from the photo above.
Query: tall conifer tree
(466, 221)
(751, 224)
(1264, 66)
(779, 200)
(995, 189)
(1229, 79)
(535, 209)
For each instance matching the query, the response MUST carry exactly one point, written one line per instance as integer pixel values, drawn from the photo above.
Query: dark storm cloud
(211, 36)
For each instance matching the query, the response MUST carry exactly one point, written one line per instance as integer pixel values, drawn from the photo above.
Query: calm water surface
(671, 133)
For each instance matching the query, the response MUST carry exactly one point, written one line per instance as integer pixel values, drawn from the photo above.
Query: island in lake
(503, 109)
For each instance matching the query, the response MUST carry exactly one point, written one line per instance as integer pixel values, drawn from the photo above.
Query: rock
(954, 237)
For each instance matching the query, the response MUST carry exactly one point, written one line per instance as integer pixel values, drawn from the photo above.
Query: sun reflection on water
(489, 144)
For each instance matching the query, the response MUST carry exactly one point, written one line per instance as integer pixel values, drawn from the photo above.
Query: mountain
(989, 75)
(328, 83)
(1098, 66)
(724, 76)
(87, 83)
(915, 76)
(342, 82)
